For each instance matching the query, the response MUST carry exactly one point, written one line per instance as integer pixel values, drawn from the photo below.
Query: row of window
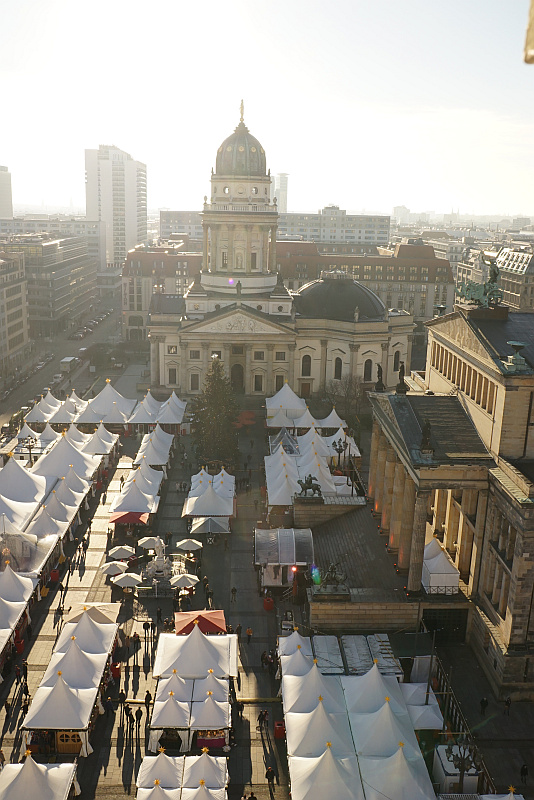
(468, 380)
(237, 350)
(194, 381)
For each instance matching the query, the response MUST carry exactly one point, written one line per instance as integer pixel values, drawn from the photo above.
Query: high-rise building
(14, 340)
(6, 198)
(280, 191)
(115, 190)
(61, 279)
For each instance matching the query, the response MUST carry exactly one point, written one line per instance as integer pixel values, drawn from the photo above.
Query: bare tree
(347, 396)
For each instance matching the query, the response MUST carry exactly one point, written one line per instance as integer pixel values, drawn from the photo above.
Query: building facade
(14, 323)
(61, 279)
(239, 309)
(6, 197)
(115, 188)
(460, 466)
(176, 222)
(332, 225)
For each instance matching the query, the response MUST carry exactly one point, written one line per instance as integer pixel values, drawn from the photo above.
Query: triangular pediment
(237, 321)
(457, 330)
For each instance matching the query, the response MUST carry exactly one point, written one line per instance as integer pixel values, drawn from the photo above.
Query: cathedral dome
(337, 296)
(241, 155)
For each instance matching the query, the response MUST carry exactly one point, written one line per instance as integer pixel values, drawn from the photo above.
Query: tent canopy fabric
(306, 420)
(301, 693)
(208, 504)
(379, 734)
(210, 714)
(210, 686)
(308, 734)
(365, 694)
(213, 770)
(290, 644)
(19, 484)
(79, 669)
(60, 707)
(91, 636)
(166, 769)
(169, 712)
(287, 400)
(32, 780)
(64, 454)
(210, 525)
(280, 420)
(208, 621)
(333, 420)
(296, 664)
(193, 655)
(314, 778)
(396, 776)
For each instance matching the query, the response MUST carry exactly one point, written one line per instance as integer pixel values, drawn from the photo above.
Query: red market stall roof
(129, 518)
(208, 621)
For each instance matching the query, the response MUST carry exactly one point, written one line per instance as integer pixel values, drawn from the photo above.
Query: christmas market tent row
(151, 411)
(193, 655)
(155, 448)
(209, 773)
(43, 781)
(70, 689)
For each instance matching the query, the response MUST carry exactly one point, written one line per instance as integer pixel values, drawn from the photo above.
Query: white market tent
(286, 399)
(287, 645)
(170, 712)
(75, 436)
(79, 669)
(307, 734)
(213, 770)
(300, 694)
(296, 663)
(133, 500)
(21, 485)
(316, 778)
(165, 769)
(396, 776)
(93, 637)
(64, 453)
(208, 504)
(101, 442)
(439, 575)
(424, 716)
(158, 793)
(280, 420)
(217, 688)
(193, 655)
(379, 734)
(182, 688)
(108, 399)
(306, 420)
(365, 694)
(333, 420)
(203, 793)
(209, 714)
(210, 525)
(154, 451)
(32, 780)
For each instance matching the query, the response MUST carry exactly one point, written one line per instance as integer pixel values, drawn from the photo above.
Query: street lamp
(340, 446)
(30, 442)
(464, 756)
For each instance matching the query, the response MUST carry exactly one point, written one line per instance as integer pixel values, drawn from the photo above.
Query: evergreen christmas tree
(215, 412)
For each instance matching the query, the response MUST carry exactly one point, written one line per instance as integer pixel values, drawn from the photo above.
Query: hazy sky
(365, 103)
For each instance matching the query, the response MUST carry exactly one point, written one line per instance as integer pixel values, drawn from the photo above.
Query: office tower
(115, 188)
(281, 191)
(6, 199)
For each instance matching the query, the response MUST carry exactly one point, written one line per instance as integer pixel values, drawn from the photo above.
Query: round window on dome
(259, 308)
(241, 148)
(254, 190)
(229, 148)
(241, 190)
(252, 149)
(226, 190)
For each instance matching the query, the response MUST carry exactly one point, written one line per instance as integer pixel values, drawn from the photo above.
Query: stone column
(503, 599)
(183, 367)
(264, 248)
(354, 358)
(205, 245)
(375, 438)
(226, 359)
(497, 581)
(291, 372)
(410, 345)
(418, 541)
(465, 532)
(380, 469)
(322, 368)
(155, 361)
(452, 518)
(248, 376)
(396, 506)
(205, 362)
(405, 538)
(385, 349)
(248, 229)
(440, 509)
(268, 388)
(272, 250)
(387, 495)
(231, 257)
(475, 567)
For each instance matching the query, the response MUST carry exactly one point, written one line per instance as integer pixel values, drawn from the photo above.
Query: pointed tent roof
(99, 612)
(426, 718)
(165, 769)
(103, 402)
(154, 476)
(67, 495)
(203, 475)
(16, 512)
(27, 432)
(159, 435)
(175, 399)
(143, 415)
(81, 404)
(91, 636)
(314, 778)
(203, 793)
(15, 588)
(396, 776)
(213, 770)
(209, 525)
(29, 779)
(170, 414)
(100, 444)
(217, 686)
(415, 694)
(158, 793)
(333, 420)
(169, 712)
(148, 487)
(39, 413)
(64, 454)
(210, 714)
(67, 412)
(289, 644)
(286, 399)
(60, 707)
(301, 693)
(306, 420)
(193, 655)
(43, 525)
(441, 565)
(432, 549)
(58, 510)
(51, 401)
(307, 734)
(365, 694)
(76, 483)
(75, 436)
(379, 734)
(115, 415)
(89, 416)
(49, 434)
(155, 454)
(296, 664)
(280, 420)
(208, 504)
(19, 484)
(151, 403)
(10, 613)
(182, 688)
(79, 669)
(316, 446)
(8, 529)
(132, 499)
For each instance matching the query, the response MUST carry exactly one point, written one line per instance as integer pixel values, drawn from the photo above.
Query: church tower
(240, 222)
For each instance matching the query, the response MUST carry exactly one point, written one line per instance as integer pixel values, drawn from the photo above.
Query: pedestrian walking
(25, 689)
(25, 669)
(260, 720)
(226, 542)
(240, 706)
(2, 759)
(17, 674)
(205, 581)
(507, 704)
(138, 718)
(146, 628)
(249, 634)
(121, 481)
(148, 700)
(233, 592)
(270, 775)
(127, 644)
(25, 706)
(238, 631)
(256, 504)
(109, 706)
(264, 658)
(524, 773)
(122, 700)
(159, 618)
(104, 497)
(483, 706)
(89, 525)
(7, 707)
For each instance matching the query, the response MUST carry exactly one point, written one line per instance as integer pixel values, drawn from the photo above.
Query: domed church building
(238, 308)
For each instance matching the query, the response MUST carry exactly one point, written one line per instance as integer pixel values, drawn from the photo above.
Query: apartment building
(14, 324)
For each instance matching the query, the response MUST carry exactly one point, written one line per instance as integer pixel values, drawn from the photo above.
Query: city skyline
(365, 106)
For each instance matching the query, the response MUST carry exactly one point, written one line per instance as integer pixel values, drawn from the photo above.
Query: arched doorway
(237, 374)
